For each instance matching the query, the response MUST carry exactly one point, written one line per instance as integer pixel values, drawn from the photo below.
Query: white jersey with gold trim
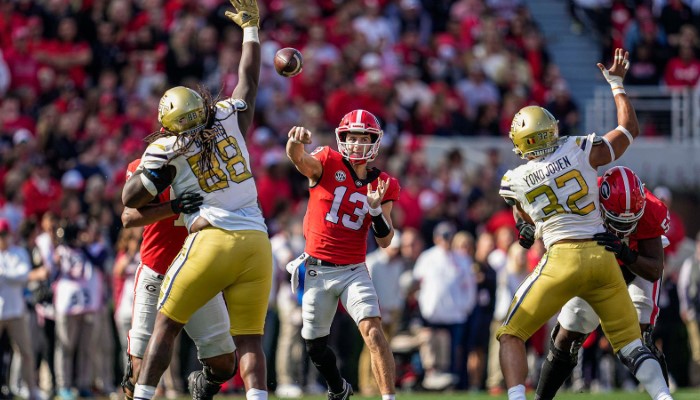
(559, 191)
(230, 195)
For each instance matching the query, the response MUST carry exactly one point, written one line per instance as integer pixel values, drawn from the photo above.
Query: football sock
(144, 392)
(325, 362)
(557, 366)
(517, 393)
(648, 372)
(256, 394)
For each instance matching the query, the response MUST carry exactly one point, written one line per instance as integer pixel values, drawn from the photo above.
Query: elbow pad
(156, 180)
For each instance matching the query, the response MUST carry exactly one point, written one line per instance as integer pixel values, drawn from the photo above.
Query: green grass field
(679, 395)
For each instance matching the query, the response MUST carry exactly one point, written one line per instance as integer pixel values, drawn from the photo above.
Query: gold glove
(247, 14)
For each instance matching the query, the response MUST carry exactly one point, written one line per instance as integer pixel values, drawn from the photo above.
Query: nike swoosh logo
(352, 269)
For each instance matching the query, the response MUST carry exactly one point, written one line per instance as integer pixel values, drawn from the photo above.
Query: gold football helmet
(534, 132)
(181, 110)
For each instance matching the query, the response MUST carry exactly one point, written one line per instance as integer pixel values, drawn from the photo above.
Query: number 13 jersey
(337, 218)
(559, 191)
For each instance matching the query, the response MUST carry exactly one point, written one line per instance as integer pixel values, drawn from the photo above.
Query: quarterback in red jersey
(163, 236)
(344, 192)
(636, 222)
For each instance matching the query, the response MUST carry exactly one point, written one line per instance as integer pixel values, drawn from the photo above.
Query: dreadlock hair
(205, 137)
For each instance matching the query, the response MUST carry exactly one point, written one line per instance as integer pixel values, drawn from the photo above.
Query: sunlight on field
(679, 395)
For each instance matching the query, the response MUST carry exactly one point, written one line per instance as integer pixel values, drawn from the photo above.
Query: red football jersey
(337, 218)
(162, 240)
(654, 222)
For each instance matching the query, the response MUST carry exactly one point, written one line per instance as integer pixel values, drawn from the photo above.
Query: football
(288, 62)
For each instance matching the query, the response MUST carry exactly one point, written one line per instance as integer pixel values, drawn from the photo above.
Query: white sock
(515, 393)
(144, 392)
(254, 394)
(648, 373)
(388, 397)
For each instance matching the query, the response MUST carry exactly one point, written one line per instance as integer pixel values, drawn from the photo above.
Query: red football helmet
(361, 122)
(622, 200)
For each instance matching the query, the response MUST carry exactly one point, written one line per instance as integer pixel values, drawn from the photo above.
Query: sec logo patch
(340, 176)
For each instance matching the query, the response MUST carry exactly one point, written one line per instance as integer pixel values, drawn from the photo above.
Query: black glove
(526, 238)
(187, 203)
(616, 245)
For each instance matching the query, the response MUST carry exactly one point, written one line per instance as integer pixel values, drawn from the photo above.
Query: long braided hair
(205, 137)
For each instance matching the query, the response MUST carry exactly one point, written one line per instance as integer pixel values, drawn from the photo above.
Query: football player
(163, 236)
(346, 197)
(201, 148)
(636, 222)
(557, 192)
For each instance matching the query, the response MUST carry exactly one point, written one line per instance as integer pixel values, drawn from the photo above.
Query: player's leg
(619, 321)
(318, 308)
(576, 320)
(209, 328)
(249, 259)
(187, 286)
(555, 280)
(645, 297)
(360, 300)
(146, 288)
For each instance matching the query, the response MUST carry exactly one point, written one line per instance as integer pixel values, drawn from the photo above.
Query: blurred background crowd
(79, 86)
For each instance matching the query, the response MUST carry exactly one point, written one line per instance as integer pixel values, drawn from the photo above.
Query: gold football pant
(213, 260)
(582, 269)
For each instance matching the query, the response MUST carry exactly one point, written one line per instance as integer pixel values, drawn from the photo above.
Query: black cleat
(200, 388)
(344, 395)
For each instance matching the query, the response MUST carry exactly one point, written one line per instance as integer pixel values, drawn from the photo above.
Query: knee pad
(316, 347)
(635, 358)
(127, 385)
(210, 376)
(572, 354)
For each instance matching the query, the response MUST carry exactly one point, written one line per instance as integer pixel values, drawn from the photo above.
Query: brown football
(288, 62)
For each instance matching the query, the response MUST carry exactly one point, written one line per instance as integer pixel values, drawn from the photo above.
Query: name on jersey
(546, 171)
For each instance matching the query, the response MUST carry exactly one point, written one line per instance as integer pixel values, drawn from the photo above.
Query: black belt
(320, 263)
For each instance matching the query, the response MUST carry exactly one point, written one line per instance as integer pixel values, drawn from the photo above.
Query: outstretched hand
(246, 15)
(374, 198)
(620, 65)
(299, 134)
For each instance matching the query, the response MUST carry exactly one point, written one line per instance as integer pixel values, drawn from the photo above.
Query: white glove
(293, 268)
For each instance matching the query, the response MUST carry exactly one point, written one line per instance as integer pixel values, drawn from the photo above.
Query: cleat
(344, 395)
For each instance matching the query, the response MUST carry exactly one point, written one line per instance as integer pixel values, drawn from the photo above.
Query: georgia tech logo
(340, 176)
(605, 190)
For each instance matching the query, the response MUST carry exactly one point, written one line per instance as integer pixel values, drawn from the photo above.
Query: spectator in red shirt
(684, 70)
(24, 67)
(41, 191)
(67, 53)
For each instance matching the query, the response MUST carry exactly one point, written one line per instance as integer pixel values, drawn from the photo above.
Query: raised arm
(247, 17)
(618, 139)
(309, 166)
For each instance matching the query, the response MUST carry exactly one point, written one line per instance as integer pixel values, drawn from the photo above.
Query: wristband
(618, 90)
(375, 212)
(626, 132)
(380, 227)
(250, 34)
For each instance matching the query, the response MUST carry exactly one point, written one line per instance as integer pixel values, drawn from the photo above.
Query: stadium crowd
(80, 83)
